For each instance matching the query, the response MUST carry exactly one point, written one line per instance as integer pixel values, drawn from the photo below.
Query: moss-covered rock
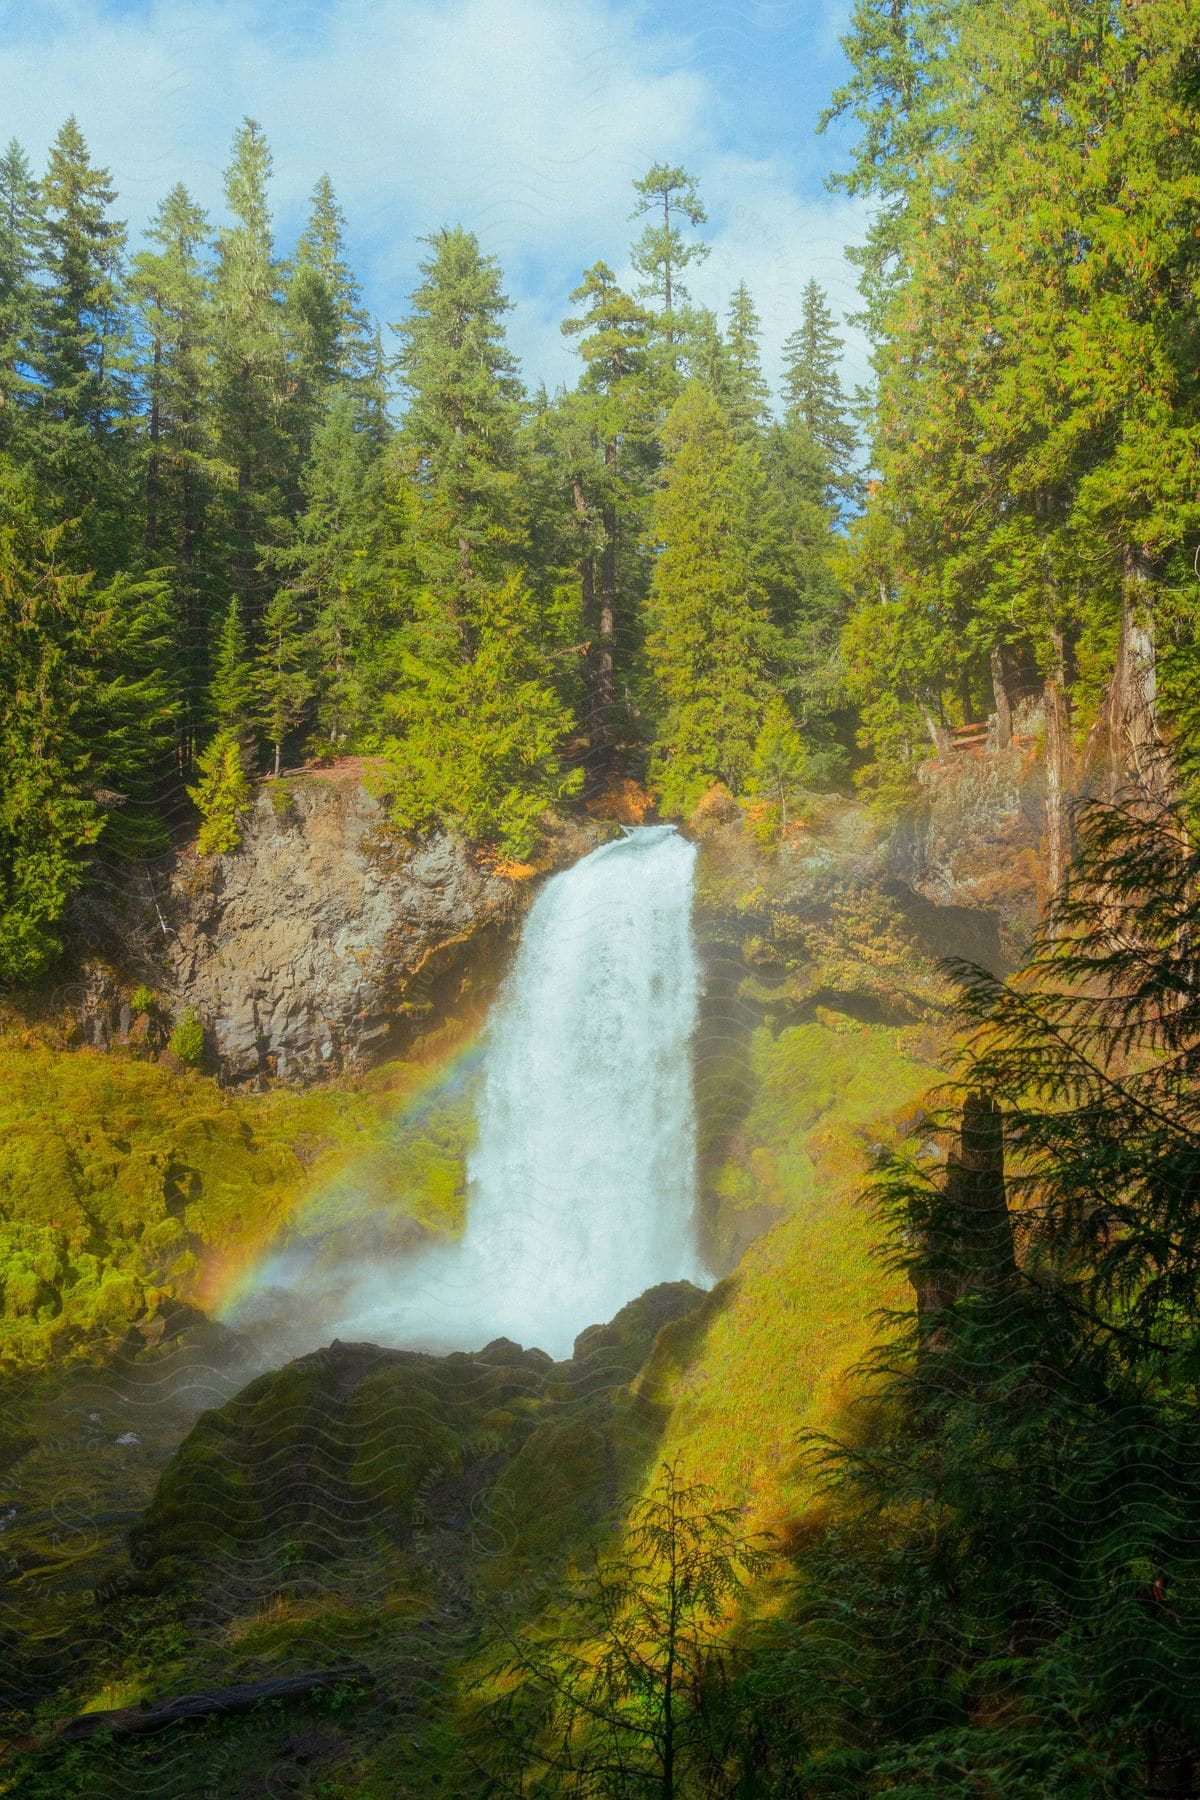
(333, 1456)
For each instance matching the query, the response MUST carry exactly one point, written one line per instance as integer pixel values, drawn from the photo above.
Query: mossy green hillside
(823, 1096)
(126, 1182)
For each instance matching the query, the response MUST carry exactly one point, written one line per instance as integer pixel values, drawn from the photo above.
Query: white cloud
(527, 120)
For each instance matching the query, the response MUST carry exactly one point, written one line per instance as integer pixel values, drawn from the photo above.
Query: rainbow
(231, 1273)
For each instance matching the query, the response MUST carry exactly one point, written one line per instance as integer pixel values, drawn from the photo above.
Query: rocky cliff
(317, 945)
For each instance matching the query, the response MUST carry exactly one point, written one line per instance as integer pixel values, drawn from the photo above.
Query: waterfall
(582, 1185)
(582, 1189)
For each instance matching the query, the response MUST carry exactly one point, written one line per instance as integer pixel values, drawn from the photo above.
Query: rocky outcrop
(361, 1450)
(977, 838)
(299, 948)
(318, 945)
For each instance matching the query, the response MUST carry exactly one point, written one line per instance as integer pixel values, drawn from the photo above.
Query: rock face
(299, 949)
(360, 1450)
(977, 840)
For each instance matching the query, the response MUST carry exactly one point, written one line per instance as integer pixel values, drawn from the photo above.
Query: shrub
(187, 1039)
(222, 794)
(283, 798)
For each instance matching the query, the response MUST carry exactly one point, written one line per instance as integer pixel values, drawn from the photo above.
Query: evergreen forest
(905, 1501)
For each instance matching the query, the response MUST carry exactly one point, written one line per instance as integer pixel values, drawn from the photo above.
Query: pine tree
(83, 354)
(705, 355)
(749, 401)
(223, 791)
(618, 1699)
(22, 243)
(231, 686)
(460, 430)
(252, 403)
(345, 576)
(284, 682)
(222, 794)
(170, 288)
(85, 725)
(662, 253)
(327, 328)
(710, 635)
(812, 391)
(480, 723)
(779, 768)
(1037, 401)
(608, 458)
(341, 337)
(1048, 1224)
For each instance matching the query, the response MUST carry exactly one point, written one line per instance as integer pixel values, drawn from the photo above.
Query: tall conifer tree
(609, 474)
(749, 401)
(22, 244)
(169, 284)
(252, 399)
(85, 390)
(669, 198)
(710, 635)
(480, 723)
(813, 393)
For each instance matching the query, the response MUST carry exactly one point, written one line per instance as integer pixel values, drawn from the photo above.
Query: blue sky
(526, 120)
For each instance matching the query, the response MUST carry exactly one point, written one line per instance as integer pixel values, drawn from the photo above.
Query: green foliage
(254, 406)
(779, 766)
(1036, 423)
(480, 743)
(748, 392)
(83, 355)
(460, 429)
(282, 796)
(84, 716)
(661, 255)
(21, 245)
(282, 678)
(344, 579)
(231, 689)
(813, 396)
(616, 1700)
(710, 635)
(1048, 1226)
(284, 568)
(187, 1039)
(222, 794)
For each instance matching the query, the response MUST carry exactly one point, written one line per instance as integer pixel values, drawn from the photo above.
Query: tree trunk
(1002, 697)
(152, 471)
(1125, 744)
(587, 583)
(608, 606)
(966, 699)
(140, 1721)
(1059, 784)
(939, 737)
(466, 647)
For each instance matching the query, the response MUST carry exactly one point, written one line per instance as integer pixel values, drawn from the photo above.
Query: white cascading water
(582, 1185)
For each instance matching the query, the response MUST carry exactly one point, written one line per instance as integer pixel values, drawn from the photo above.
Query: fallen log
(184, 1709)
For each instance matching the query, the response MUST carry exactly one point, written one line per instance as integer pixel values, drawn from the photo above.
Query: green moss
(821, 1096)
(125, 1182)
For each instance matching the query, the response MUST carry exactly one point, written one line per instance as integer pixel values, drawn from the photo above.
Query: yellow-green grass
(125, 1181)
